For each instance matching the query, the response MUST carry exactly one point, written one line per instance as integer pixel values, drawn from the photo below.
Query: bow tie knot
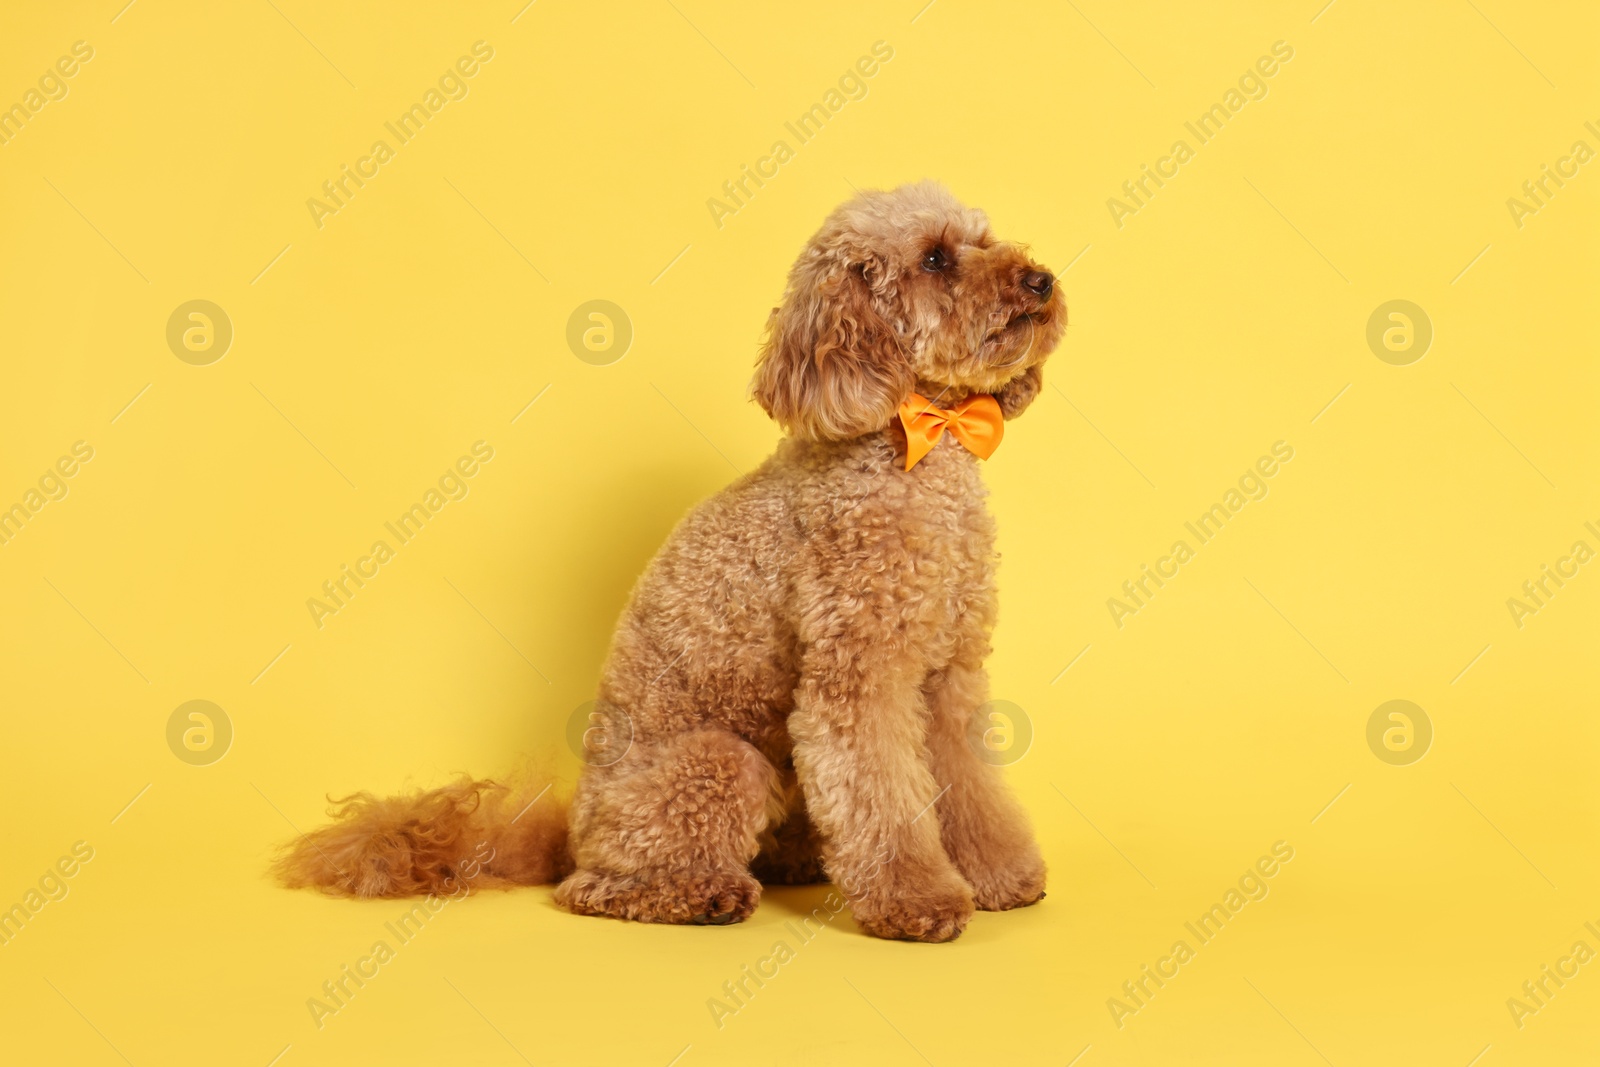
(976, 422)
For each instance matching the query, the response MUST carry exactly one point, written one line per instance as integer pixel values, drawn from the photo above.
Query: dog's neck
(885, 451)
(942, 395)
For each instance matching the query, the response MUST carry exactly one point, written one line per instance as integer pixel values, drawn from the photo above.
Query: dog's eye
(934, 261)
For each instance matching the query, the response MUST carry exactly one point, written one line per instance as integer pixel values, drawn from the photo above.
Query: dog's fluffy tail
(472, 834)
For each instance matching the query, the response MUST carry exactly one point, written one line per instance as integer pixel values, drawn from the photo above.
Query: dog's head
(899, 289)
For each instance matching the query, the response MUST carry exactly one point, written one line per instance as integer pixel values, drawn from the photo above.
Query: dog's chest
(949, 535)
(916, 548)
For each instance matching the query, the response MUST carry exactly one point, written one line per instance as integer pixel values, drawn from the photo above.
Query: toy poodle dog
(792, 692)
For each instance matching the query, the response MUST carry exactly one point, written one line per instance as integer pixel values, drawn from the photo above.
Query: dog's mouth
(1016, 322)
(1016, 334)
(1016, 330)
(1010, 342)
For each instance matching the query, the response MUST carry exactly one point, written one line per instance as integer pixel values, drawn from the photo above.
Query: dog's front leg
(858, 727)
(984, 828)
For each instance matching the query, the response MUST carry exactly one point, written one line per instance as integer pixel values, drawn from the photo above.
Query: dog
(792, 692)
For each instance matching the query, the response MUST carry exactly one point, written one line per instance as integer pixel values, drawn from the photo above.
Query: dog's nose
(1038, 281)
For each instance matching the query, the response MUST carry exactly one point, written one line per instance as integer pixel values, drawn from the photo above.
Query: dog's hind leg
(666, 834)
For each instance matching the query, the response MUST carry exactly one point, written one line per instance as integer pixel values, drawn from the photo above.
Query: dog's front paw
(1013, 884)
(932, 912)
(714, 898)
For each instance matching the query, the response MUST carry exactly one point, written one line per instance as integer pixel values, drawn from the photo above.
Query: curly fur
(802, 661)
(472, 831)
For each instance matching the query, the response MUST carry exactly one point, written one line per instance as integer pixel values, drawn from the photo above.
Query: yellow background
(425, 315)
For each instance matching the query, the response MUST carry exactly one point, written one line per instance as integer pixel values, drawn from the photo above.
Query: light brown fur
(801, 664)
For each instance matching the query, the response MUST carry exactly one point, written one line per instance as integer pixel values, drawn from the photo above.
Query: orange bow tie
(976, 422)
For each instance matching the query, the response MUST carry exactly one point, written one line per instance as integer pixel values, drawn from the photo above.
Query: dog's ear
(831, 368)
(1019, 392)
